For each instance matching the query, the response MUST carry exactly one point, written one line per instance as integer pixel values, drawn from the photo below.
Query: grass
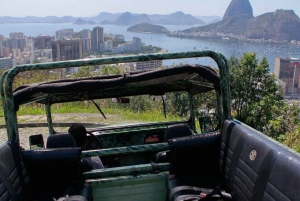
(153, 115)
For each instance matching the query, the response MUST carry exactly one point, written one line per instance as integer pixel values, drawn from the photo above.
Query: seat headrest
(60, 141)
(178, 130)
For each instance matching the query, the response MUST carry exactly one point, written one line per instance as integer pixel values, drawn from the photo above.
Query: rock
(238, 8)
(279, 25)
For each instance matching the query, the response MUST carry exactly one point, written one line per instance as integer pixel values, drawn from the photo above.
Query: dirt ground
(83, 118)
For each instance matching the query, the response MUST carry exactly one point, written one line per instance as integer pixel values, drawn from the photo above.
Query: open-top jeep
(167, 160)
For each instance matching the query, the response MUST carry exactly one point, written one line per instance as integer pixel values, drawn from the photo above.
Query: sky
(89, 8)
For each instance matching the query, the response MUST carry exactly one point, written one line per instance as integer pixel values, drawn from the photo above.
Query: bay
(271, 51)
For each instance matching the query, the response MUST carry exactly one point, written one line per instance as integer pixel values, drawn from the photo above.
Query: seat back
(60, 141)
(14, 179)
(177, 130)
(197, 154)
(53, 170)
(256, 167)
(284, 178)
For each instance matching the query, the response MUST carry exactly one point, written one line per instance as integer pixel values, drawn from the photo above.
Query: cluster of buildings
(287, 71)
(65, 45)
(226, 37)
(68, 47)
(137, 66)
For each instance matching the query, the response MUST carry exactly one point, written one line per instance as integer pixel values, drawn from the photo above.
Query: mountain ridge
(279, 25)
(127, 18)
(177, 18)
(237, 8)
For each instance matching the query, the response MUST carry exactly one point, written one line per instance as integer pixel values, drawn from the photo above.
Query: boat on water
(174, 159)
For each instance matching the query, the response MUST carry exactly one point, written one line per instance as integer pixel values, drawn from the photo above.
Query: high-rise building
(15, 43)
(43, 42)
(16, 53)
(64, 34)
(1, 52)
(109, 36)
(87, 44)
(22, 42)
(63, 50)
(98, 39)
(288, 71)
(87, 39)
(16, 35)
(86, 34)
(137, 44)
(144, 65)
(109, 45)
(119, 37)
(12, 43)
(5, 51)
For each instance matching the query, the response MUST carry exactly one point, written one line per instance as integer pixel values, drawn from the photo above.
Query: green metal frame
(7, 79)
(124, 171)
(126, 150)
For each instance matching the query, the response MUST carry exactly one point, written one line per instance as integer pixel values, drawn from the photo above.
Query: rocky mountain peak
(238, 8)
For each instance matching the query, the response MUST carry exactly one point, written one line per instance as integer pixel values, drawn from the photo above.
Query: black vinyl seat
(172, 131)
(59, 163)
(41, 174)
(14, 180)
(194, 166)
(177, 130)
(250, 166)
(60, 140)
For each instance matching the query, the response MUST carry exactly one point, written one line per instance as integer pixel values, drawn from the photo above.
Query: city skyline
(89, 8)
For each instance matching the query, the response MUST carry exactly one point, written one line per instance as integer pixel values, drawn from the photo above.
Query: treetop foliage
(258, 101)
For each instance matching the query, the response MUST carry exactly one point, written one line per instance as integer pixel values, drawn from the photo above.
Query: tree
(84, 71)
(285, 127)
(30, 77)
(257, 98)
(108, 70)
(206, 105)
(178, 103)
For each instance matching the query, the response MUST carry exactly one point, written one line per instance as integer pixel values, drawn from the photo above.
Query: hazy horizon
(89, 8)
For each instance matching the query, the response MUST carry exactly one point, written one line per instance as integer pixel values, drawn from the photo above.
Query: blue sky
(86, 8)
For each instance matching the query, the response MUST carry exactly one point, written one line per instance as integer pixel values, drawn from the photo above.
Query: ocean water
(168, 43)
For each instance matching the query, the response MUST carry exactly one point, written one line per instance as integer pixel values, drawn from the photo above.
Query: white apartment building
(145, 65)
(6, 62)
(109, 45)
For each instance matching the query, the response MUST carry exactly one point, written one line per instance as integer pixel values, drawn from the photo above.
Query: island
(80, 21)
(148, 28)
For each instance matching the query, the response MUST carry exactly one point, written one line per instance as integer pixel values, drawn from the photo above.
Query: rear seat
(14, 180)
(20, 180)
(194, 165)
(284, 178)
(252, 166)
